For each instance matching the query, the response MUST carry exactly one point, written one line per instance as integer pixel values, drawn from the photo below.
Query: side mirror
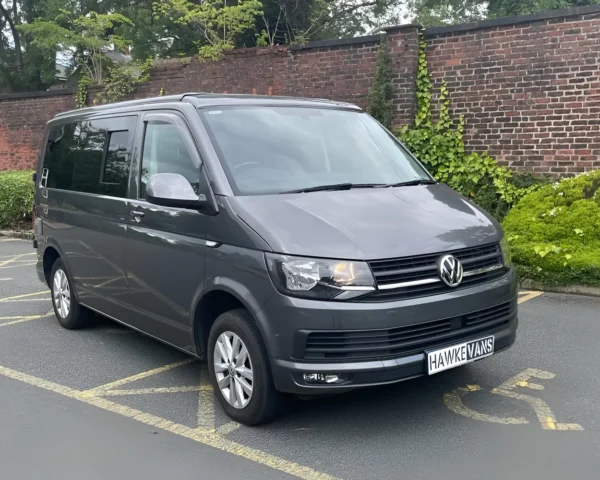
(173, 190)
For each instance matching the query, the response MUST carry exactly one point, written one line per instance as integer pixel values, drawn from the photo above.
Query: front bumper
(289, 376)
(295, 316)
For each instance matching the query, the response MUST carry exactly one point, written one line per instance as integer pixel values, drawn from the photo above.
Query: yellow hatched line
(146, 391)
(22, 319)
(6, 299)
(139, 376)
(204, 437)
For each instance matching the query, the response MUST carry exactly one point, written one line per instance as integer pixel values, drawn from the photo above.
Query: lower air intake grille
(393, 342)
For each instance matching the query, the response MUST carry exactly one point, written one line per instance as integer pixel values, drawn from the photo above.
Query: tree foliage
(89, 37)
(447, 12)
(217, 22)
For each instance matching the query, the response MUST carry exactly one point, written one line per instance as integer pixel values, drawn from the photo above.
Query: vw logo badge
(450, 270)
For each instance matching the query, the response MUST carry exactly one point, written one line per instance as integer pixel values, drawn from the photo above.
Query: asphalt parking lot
(106, 402)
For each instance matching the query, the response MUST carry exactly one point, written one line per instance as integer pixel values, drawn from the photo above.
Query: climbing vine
(121, 80)
(81, 96)
(440, 146)
(380, 96)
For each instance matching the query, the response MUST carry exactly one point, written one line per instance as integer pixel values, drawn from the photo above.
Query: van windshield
(268, 150)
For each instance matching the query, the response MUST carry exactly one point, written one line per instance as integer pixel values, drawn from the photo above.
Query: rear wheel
(240, 371)
(69, 313)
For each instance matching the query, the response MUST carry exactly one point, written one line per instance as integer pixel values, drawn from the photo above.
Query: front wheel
(240, 371)
(69, 313)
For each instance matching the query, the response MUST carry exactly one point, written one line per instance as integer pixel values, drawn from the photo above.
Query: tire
(265, 401)
(69, 313)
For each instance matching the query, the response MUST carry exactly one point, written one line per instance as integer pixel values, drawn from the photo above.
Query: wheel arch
(218, 298)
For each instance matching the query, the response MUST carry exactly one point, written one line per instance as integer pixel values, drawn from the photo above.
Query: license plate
(456, 355)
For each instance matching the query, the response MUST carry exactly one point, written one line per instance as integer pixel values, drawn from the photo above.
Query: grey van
(293, 244)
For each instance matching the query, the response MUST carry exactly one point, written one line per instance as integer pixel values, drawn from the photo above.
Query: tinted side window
(165, 151)
(116, 164)
(86, 172)
(91, 156)
(60, 155)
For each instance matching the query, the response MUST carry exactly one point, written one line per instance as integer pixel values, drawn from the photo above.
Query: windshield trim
(202, 111)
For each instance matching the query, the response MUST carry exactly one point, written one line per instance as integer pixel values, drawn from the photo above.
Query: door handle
(136, 214)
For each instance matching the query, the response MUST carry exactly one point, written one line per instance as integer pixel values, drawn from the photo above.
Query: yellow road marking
(146, 391)
(527, 295)
(542, 410)
(227, 428)
(22, 319)
(453, 401)
(139, 376)
(12, 259)
(23, 255)
(206, 401)
(30, 300)
(17, 266)
(208, 438)
(6, 299)
(544, 414)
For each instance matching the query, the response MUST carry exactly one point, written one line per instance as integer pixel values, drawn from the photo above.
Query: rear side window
(86, 171)
(59, 158)
(91, 156)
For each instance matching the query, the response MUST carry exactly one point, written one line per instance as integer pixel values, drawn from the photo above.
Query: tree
(87, 37)
(22, 65)
(218, 23)
(446, 12)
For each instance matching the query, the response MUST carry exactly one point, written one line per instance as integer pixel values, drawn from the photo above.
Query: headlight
(319, 279)
(506, 258)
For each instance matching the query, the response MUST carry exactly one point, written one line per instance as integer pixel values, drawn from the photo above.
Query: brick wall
(330, 70)
(528, 86)
(22, 122)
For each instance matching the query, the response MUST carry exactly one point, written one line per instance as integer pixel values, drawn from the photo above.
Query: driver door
(164, 248)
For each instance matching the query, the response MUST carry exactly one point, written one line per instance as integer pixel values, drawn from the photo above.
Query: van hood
(368, 224)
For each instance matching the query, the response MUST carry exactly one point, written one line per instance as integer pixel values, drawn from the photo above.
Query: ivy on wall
(440, 146)
(380, 96)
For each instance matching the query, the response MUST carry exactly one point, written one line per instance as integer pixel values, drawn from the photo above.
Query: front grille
(424, 267)
(393, 342)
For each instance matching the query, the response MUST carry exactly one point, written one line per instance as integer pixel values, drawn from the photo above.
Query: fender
(238, 291)
(44, 243)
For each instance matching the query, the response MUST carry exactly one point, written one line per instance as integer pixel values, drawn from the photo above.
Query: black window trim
(78, 120)
(171, 117)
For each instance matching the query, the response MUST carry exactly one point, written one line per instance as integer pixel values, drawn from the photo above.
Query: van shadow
(389, 406)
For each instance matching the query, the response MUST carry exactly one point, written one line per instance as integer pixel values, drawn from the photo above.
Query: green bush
(554, 232)
(16, 199)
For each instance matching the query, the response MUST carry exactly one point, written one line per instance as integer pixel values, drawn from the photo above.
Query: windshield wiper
(336, 186)
(410, 183)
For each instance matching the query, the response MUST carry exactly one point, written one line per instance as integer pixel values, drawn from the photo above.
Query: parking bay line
(527, 295)
(7, 299)
(22, 319)
(204, 437)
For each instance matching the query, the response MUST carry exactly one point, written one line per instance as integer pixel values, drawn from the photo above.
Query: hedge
(16, 199)
(554, 232)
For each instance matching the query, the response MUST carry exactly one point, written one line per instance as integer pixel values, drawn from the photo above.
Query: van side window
(86, 172)
(116, 164)
(165, 151)
(91, 156)
(60, 154)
